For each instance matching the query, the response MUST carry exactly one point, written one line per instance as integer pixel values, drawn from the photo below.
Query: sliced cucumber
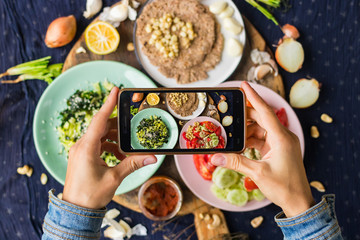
(219, 192)
(258, 195)
(237, 197)
(224, 177)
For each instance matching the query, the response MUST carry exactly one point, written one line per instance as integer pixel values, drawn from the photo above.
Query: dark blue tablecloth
(331, 39)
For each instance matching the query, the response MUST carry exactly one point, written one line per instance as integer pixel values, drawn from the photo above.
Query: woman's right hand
(280, 174)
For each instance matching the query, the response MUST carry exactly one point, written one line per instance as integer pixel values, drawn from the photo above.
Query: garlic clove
(92, 8)
(132, 13)
(112, 213)
(259, 57)
(262, 71)
(251, 74)
(80, 50)
(126, 227)
(233, 47)
(217, 7)
(232, 25)
(113, 233)
(228, 12)
(273, 64)
(135, 4)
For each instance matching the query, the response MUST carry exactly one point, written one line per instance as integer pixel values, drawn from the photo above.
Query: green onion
(271, 3)
(32, 66)
(55, 69)
(37, 69)
(263, 10)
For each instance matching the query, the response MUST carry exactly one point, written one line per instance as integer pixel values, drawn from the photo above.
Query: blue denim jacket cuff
(318, 222)
(68, 221)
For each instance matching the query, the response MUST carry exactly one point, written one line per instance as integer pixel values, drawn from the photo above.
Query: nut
(29, 172)
(318, 186)
(201, 215)
(43, 179)
(215, 223)
(59, 196)
(23, 170)
(130, 47)
(326, 118)
(207, 217)
(256, 222)
(230, 134)
(314, 132)
(181, 123)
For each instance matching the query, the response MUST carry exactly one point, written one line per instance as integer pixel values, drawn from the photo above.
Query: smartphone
(181, 121)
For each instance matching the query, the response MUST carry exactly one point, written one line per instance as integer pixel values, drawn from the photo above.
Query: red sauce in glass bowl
(160, 198)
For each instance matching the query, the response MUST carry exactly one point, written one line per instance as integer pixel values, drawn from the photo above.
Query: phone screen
(181, 121)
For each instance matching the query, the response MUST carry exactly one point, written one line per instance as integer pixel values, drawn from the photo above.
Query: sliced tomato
(202, 164)
(218, 131)
(249, 184)
(209, 125)
(282, 116)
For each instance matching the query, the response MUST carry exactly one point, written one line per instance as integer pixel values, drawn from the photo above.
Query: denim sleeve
(68, 221)
(318, 222)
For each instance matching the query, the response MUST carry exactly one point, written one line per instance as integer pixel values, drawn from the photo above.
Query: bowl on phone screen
(182, 141)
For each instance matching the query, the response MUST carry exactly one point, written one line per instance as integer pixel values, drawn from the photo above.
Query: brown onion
(290, 31)
(60, 32)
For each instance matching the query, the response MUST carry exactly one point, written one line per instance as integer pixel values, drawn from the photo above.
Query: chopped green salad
(76, 117)
(152, 132)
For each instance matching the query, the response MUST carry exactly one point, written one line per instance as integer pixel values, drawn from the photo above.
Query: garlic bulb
(119, 13)
(92, 8)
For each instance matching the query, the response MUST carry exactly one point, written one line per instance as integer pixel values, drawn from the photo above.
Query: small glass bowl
(152, 181)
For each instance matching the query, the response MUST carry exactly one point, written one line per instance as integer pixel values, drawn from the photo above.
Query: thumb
(236, 162)
(131, 164)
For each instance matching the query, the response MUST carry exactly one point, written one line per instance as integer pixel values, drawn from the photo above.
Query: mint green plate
(53, 100)
(165, 117)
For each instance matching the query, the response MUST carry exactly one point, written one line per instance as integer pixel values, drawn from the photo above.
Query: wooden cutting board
(191, 203)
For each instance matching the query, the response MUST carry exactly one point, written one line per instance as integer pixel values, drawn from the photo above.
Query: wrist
(298, 206)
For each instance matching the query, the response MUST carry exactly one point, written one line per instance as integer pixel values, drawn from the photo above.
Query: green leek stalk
(32, 66)
(263, 10)
(46, 74)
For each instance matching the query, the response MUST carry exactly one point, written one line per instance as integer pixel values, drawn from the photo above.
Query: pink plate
(201, 187)
(182, 141)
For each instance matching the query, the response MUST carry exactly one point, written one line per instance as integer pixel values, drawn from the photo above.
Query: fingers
(112, 123)
(235, 162)
(267, 116)
(111, 135)
(98, 125)
(131, 164)
(255, 143)
(112, 148)
(254, 130)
